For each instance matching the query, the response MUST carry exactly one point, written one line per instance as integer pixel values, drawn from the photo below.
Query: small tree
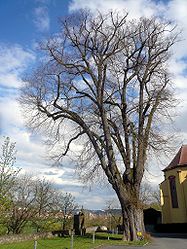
(155, 200)
(67, 206)
(150, 196)
(45, 203)
(107, 78)
(31, 201)
(146, 194)
(113, 214)
(7, 171)
(8, 176)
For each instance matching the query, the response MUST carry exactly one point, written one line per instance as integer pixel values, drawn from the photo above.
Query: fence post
(71, 240)
(93, 237)
(35, 244)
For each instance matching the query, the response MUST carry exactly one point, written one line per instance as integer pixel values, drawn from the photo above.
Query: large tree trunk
(133, 221)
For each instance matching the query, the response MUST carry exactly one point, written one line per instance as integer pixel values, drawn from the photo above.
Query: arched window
(173, 191)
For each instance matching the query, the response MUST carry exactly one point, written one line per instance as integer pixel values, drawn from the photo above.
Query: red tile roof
(179, 160)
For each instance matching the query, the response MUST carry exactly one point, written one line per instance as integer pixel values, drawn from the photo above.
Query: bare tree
(7, 171)
(67, 206)
(146, 192)
(8, 174)
(46, 201)
(31, 199)
(155, 200)
(113, 214)
(150, 196)
(106, 80)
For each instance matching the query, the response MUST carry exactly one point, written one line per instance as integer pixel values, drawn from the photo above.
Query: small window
(173, 191)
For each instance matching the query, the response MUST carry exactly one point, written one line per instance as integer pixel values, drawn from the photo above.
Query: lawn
(65, 243)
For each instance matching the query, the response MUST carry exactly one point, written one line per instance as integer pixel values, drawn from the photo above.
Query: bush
(3, 229)
(51, 226)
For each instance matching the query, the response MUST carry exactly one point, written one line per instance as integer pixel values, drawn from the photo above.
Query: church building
(174, 189)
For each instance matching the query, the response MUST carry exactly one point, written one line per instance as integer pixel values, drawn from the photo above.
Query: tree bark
(132, 217)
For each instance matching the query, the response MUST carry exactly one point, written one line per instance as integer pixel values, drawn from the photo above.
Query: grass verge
(78, 242)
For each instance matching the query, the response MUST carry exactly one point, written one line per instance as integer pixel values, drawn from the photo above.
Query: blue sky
(25, 22)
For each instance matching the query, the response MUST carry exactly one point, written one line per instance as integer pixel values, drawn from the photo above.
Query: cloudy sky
(25, 22)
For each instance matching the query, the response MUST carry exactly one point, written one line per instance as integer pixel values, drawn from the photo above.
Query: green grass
(64, 243)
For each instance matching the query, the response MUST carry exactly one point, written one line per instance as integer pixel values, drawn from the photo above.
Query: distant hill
(101, 211)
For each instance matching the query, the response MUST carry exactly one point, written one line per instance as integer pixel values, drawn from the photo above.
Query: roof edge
(176, 166)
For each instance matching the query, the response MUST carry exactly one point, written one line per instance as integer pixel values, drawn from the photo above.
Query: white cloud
(13, 60)
(13, 57)
(135, 8)
(31, 152)
(177, 10)
(10, 111)
(10, 80)
(42, 1)
(41, 19)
